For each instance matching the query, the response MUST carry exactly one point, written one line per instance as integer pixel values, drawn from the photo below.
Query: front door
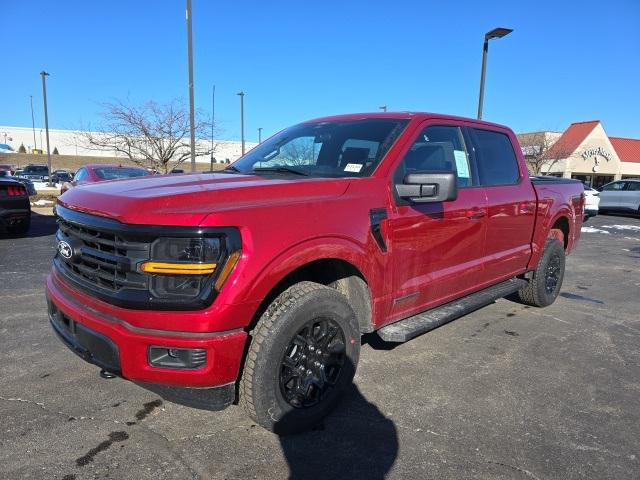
(436, 248)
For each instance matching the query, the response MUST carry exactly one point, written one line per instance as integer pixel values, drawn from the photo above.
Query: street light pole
(495, 33)
(242, 94)
(383, 108)
(259, 134)
(33, 123)
(213, 120)
(46, 121)
(191, 99)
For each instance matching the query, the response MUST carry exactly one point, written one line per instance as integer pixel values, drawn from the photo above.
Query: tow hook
(107, 375)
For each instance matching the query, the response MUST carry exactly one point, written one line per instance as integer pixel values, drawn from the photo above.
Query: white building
(70, 142)
(585, 152)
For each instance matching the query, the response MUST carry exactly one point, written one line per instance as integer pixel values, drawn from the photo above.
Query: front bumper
(119, 347)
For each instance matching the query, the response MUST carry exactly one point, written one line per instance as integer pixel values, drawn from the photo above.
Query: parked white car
(592, 201)
(621, 195)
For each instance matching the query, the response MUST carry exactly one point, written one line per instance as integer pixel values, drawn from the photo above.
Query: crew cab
(256, 283)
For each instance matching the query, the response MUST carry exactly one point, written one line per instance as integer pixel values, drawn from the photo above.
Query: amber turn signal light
(178, 268)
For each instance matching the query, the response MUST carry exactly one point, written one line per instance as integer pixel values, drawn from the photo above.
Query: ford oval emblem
(65, 249)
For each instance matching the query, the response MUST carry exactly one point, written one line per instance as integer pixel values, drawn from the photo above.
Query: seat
(356, 155)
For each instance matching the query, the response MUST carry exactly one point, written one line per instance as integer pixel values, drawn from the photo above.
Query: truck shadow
(41, 226)
(357, 441)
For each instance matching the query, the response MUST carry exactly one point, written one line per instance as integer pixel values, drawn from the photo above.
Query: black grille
(104, 259)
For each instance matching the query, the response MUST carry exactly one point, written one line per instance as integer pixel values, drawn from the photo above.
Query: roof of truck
(402, 115)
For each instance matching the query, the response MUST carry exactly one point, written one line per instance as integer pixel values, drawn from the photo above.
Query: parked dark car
(15, 209)
(31, 189)
(37, 173)
(61, 176)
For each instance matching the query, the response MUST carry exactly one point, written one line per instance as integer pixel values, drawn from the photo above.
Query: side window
(497, 162)
(439, 148)
(80, 175)
(633, 186)
(613, 187)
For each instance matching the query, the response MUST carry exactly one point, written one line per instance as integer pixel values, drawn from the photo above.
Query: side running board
(404, 330)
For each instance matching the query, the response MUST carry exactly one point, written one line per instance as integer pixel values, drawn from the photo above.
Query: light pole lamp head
(241, 93)
(44, 74)
(497, 33)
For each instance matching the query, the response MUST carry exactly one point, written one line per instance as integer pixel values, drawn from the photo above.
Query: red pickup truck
(256, 282)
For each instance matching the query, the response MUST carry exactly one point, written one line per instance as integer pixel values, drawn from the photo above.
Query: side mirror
(423, 187)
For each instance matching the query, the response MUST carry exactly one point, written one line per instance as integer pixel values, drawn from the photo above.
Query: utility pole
(46, 121)
(259, 134)
(242, 94)
(33, 123)
(191, 98)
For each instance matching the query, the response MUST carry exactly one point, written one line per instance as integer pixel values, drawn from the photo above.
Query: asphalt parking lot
(508, 392)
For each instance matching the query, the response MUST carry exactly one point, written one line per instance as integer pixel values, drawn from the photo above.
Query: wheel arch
(338, 265)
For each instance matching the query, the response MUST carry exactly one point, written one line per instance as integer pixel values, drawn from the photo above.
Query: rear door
(511, 204)
(436, 248)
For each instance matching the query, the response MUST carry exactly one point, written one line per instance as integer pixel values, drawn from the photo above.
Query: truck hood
(188, 199)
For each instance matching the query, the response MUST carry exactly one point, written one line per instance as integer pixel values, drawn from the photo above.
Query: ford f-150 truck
(256, 283)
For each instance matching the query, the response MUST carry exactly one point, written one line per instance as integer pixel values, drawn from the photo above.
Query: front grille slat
(105, 260)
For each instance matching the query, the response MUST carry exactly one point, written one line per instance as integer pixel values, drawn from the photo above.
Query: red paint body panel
(436, 252)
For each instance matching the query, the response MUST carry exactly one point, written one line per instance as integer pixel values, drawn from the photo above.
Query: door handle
(475, 214)
(526, 208)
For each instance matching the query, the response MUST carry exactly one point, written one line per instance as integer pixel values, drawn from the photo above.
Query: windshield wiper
(281, 169)
(231, 169)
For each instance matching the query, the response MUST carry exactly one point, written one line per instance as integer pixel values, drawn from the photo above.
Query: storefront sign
(594, 152)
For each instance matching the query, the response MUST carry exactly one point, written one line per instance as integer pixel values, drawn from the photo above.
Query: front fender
(322, 248)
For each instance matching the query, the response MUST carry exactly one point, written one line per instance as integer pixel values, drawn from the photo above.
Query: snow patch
(42, 203)
(593, 230)
(633, 228)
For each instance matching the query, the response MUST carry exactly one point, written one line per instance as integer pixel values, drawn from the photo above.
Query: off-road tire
(260, 388)
(536, 293)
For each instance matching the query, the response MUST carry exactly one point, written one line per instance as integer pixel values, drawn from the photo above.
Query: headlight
(195, 256)
(186, 268)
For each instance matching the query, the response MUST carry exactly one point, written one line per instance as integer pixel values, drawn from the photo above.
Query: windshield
(327, 149)
(36, 169)
(114, 173)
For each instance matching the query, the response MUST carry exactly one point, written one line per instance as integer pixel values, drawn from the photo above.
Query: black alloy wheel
(312, 363)
(552, 274)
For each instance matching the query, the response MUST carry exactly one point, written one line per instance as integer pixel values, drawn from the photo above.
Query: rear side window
(497, 163)
(633, 186)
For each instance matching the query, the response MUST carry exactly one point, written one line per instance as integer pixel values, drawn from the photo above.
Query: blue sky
(566, 60)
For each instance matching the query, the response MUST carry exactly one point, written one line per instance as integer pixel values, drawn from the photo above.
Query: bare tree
(542, 151)
(153, 135)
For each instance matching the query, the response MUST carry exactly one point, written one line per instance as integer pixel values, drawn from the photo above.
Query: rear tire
(302, 357)
(544, 287)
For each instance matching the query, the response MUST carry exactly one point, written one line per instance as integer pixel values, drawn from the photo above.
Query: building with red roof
(583, 151)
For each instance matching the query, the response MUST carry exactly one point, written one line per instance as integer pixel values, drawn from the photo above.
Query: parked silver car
(623, 195)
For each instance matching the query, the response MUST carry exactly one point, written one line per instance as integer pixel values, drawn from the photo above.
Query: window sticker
(461, 163)
(353, 167)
